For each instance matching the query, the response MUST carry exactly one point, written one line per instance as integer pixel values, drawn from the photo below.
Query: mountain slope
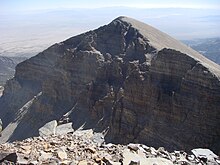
(209, 47)
(7, 67)
(127, 77)
(160, 40)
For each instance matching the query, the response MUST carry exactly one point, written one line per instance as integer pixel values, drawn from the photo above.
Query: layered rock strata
(127, 78)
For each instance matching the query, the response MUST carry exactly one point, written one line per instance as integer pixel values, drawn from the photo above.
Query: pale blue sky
(21, 5)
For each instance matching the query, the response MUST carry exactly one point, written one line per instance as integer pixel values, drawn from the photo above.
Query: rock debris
(85, 147)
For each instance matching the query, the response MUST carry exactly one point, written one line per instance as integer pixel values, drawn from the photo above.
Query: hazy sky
(21, 5)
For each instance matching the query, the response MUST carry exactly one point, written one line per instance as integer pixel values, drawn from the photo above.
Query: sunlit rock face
(127, 78)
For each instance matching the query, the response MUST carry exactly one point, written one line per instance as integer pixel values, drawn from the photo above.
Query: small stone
(53, 143)
(134, 147)
(83, 162)
(177, 153)
(61, 154)
(156, 161)
(91, 149)
(44, 156)
(70, 149)
(153, 151)
(65, 162)
(74, 162)
(141, 153)
(21, 160)
(34, 162)
(98, 138)
(173, 158)
(53, 161)
(190, 157)
(134, 162)
(109, 145)
(26, 149)
(98, 160)
(146, 148)
(46, 146)
(109, 162)
(129, 156)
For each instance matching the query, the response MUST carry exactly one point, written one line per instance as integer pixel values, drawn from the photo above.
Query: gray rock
(48, 129)
(206, 155)
(84, 133)
(134, 147)
(44, 156)
(134, 162)
(64, 129)
(134, 158)
(22, 160)
(109, 162)
(154, 161)
(61, 154)
(34, 162)
(98, 138)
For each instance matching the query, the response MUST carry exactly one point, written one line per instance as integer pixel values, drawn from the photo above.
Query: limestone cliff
(127, 77)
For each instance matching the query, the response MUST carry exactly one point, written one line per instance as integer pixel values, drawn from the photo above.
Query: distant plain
(27, 33)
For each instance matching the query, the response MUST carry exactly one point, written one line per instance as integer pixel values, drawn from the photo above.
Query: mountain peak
(127, 79)
(160, 40)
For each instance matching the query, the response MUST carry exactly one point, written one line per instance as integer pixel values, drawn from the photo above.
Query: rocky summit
(126, 78)
(85, 147)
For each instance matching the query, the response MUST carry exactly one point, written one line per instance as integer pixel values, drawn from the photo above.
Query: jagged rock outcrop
(126, 77)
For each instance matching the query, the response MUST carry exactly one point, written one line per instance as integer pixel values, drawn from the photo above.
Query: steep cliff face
(127, 77)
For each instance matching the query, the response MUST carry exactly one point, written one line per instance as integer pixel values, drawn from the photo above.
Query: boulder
(204, 154)
(48, 129)
(64, 129)
(133, 158)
